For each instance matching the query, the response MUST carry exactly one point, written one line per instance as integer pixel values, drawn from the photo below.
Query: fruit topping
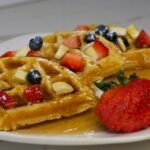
(34, 76)
(97, 50)
(72, 41)
(143, 40)
(132, 31)
(20, 76)
(82, 28)
(111, 36)
(73, 61)
(62, 87)
(90, 51)
(22, 52)
(121, 31)
(125, 41)
(101, 30)
(121, 44)
(62, 50)
(90, 37)
(6, 101)
(101, 50)
(33, 94)
(32, 53)
(126, 108)
(36, 43)
(9, 54)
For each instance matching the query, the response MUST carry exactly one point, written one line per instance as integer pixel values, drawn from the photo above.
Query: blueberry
(111, 36)
(101, 30)
(34, 76)
(89, 37)
(125, 41)
(36, 43)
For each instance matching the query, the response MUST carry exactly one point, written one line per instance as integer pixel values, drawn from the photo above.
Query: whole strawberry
(33, 94)
(126, 108)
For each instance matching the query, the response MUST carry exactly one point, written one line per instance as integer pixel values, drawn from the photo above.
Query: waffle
(93, 69)
(120, 56)
(136, 59)
(56, 104)
(133, 57)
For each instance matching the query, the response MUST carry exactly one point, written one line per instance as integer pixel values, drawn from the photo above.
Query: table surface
(57, 15)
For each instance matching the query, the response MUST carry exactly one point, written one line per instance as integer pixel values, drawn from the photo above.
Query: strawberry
(73, 61)
(6, 101)
(82, 28)
(9, 103)
(33, 53)
(9, 54)
(72, 41)
(101, 50)
(143, 40)
(126, 108)
(33, 94)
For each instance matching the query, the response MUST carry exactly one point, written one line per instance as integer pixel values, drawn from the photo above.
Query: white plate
(102, 137)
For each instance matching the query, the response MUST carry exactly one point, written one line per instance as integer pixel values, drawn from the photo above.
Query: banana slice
(62, 87)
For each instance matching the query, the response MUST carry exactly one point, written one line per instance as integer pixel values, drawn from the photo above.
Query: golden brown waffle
(57, 103)
(93, 70)
(137, 59)
(119, 57)
(132, 57)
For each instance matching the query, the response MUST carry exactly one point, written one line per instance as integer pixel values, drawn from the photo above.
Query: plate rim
(69, 140)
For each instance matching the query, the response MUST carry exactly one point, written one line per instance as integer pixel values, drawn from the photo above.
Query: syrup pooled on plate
(80, 124)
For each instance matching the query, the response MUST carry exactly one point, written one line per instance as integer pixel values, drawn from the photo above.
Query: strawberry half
(9, 54)
(143, 40)
(73, 61)
(82, 28)
(101, 50)
(72, 42)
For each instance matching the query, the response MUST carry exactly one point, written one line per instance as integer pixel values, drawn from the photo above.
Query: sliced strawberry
(6, 101)
(143, 40)
(73, 61)
(9, 54)
(33, 54)
(101, 50)
(82, 28)
(72, 42)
